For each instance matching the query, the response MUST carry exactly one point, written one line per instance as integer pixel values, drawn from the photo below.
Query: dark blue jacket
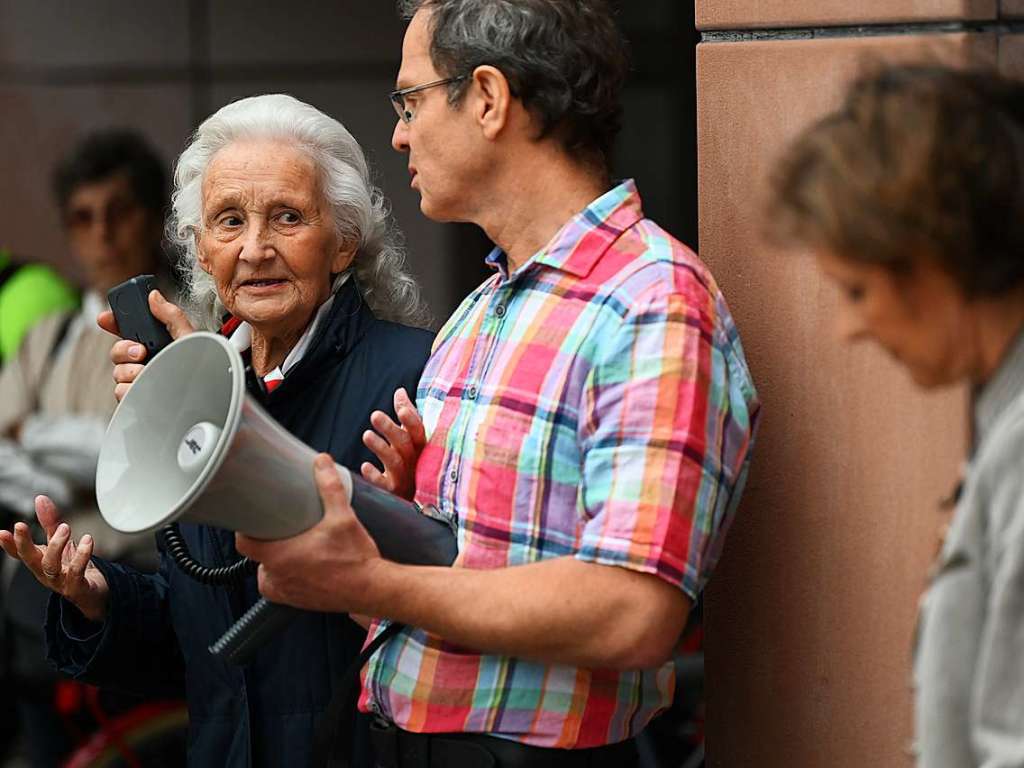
(155, 638)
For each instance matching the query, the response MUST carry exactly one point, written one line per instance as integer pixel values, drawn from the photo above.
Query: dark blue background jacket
(158, 629)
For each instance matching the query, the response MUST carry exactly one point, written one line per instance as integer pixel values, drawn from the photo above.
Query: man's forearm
(558, 611)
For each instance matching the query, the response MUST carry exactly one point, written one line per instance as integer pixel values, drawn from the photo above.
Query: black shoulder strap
(7, 271)
(334, 736)
(62, 332)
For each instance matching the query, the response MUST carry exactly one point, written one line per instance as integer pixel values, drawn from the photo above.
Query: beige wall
(809, 619)
(1011, 9)
(757, 14)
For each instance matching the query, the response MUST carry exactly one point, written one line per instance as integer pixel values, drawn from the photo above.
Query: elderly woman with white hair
(286, 248)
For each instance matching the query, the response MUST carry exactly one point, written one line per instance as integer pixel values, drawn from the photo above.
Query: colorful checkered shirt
(594, 404)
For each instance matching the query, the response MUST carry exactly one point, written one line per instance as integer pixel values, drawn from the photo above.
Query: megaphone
(187, 443)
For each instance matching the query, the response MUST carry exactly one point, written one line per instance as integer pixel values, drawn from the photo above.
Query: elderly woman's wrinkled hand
(128, 355)
(398, 447)
(60, 565)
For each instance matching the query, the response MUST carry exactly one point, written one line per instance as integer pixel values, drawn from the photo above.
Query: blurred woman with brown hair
(911, 198)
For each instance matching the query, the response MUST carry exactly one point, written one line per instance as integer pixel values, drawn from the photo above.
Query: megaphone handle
(247, 635)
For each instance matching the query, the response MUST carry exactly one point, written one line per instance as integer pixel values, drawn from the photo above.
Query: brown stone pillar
(809, 619)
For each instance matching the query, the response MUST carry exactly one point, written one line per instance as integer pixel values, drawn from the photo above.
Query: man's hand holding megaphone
(330, 564)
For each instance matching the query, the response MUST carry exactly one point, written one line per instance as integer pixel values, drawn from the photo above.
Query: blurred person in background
(911, 198)
(288, 249)
(55, 400)
(54, 393)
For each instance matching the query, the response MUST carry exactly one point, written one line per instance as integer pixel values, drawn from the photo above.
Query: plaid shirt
(594, 404)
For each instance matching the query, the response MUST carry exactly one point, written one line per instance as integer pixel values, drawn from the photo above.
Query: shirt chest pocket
(501, 459)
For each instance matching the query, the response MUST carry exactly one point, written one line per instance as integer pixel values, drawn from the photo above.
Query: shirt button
(453, 475)
(471, 393)
(500, 310)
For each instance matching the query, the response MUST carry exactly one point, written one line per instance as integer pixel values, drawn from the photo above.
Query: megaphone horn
(188, 444)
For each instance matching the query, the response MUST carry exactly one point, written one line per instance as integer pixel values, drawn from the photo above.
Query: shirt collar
(578, 245)
(1002, 389)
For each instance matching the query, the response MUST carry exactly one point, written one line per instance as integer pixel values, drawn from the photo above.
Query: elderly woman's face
(268, 238)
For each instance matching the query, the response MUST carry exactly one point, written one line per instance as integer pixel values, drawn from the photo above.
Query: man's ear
(493, 99)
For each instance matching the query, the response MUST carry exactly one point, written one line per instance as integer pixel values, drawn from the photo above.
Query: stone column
(810, 617)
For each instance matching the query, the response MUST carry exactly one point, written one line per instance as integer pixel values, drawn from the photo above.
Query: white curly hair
(360, 211)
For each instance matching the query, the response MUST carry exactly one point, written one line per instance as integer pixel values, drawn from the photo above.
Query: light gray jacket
(969, 662)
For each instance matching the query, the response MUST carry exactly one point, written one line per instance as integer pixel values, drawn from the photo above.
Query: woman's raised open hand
(60, 565)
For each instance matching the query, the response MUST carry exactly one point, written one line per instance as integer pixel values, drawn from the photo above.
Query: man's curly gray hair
(361, 213)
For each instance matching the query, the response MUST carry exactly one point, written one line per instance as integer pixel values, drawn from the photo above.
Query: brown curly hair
(920, 161)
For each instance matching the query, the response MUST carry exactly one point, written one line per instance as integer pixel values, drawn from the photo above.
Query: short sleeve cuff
(684, 578)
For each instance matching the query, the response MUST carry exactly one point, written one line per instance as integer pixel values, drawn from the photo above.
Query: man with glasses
(587, 417)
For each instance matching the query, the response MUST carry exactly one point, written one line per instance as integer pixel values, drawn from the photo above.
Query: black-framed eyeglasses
(398, 97)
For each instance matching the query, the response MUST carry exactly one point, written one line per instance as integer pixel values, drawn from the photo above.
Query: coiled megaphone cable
(229, 575)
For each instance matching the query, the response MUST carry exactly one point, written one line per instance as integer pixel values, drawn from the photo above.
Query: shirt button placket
(500, 309)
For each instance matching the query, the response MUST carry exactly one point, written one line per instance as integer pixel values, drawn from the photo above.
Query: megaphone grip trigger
(247, 635)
